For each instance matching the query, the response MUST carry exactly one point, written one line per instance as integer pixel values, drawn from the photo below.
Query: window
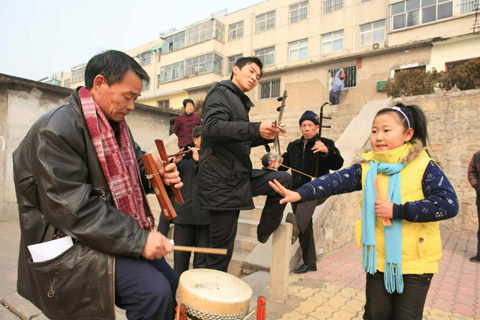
(332, 5)
(270, 89)
(66, 83)
(163, 104)
(174, 42)
(267, 55)
(454, 64)
(350, 76)
(298, 49)
(298, 11)
(411, 12)
(235, 31)
(332, 42)
(372, 32)
(145, 58)
(467, 6)
(171, 72)
(265, 21)
(206, 63)
(78, 74)
(145, 85)
(232, 60)
(363, 1)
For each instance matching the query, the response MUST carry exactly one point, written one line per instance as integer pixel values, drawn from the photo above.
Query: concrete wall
(23, 101)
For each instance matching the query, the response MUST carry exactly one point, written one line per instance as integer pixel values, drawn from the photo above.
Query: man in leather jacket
(225, 171)
(73, 172)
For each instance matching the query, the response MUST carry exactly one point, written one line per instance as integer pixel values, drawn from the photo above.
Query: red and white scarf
(118, 162)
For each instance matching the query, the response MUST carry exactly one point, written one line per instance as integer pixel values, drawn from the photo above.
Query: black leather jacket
(227, 137)
(61, 189)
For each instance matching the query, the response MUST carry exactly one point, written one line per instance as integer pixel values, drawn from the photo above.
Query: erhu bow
(157, 183)
(272, 160)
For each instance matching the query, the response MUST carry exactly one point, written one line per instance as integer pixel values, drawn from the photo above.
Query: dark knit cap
(309, 115)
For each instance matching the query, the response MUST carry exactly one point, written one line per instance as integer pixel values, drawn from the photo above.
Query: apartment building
(302, 44)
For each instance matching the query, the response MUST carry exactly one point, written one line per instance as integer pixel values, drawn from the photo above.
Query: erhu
(272, 159)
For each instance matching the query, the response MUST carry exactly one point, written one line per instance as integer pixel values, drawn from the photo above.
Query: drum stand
(181, 310)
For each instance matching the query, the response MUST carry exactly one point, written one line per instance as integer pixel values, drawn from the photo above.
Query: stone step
(245, 244)
(253, 214)
(247, 227)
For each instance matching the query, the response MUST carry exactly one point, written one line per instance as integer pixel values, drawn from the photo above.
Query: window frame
(372, 32)
(235, 31)
(413, 13)
(330, 6)
(332, 34)
(168, 72)
(296, 10)
(272, 92)
(299, 46)
(264, 57)
(231, 63)
(350, 80)
(265, 21)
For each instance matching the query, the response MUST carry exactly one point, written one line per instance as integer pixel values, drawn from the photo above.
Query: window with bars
(78, 74)
(298, 49)
(372, 32)
(265, 21)
(232, 60)
(332, 5)
(202, 64)
(145, 85)
(270, 89)
(66, 83)
(235, 31)
(298, 11)
(410, 13)
(163, 104)
(332, 41)
(350, 76)
(174, 42)
(171, 72)
(467, 6)
(145, 58)
(267, 55)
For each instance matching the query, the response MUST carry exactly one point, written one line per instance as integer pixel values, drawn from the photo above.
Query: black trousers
(382, 305)
(307, 242)
(334, 97)
(189, 235)
(478, 232)
(223, 224)
(145, 288)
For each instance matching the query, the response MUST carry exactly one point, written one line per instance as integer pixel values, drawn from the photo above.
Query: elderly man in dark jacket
(313, 156)
(226, 177)
(78, 174)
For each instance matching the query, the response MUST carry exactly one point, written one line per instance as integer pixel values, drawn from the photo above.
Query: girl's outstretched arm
(288, 195)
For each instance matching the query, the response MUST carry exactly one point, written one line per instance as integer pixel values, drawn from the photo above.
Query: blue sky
(40, 38)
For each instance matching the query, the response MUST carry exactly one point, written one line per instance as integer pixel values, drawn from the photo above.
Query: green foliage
(415, 82)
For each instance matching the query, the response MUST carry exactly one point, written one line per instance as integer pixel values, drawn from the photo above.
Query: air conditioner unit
(379, 45)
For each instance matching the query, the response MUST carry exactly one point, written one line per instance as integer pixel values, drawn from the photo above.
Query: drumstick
(201, 249)
(386, 221)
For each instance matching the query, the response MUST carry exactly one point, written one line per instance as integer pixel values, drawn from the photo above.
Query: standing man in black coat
(227, 180)
(315, 157)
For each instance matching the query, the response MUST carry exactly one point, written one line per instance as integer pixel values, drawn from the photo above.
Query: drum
(211, 294)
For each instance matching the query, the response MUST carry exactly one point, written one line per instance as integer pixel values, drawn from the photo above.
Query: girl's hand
(194, 153)
(178, 158)
(384, 209)
(288, 195)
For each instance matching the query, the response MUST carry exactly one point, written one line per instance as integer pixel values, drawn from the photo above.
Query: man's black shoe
(475, 259)
(262, 239)
(304, 268)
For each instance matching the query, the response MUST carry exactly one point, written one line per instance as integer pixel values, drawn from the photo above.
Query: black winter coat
(227, 137)
(300, 156)
(61, 188)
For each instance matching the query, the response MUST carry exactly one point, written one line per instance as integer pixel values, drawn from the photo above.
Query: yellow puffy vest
(421, 243)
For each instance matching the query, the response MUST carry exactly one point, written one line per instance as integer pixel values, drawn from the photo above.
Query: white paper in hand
(48, 250)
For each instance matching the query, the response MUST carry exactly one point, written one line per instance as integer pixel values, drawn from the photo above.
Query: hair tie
(400, 110)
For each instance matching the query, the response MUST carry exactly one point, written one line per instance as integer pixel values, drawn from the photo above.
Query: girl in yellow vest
(399, 233)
